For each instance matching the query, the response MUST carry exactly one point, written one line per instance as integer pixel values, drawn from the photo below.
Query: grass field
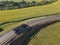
(19, 14)
(47, 36)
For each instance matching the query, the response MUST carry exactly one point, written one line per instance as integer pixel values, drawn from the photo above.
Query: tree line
(8, 5)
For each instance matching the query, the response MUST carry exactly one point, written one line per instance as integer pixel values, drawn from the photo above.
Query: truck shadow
(24, 40)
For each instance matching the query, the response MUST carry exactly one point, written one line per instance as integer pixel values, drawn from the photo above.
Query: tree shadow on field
(27, 37)
(1, 29)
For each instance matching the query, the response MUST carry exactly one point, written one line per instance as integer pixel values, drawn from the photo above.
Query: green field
(47, 36)
(19, 14)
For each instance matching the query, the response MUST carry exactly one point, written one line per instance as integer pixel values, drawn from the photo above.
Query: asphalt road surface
(21, 29)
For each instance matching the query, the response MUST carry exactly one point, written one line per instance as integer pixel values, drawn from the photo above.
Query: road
(21, 29)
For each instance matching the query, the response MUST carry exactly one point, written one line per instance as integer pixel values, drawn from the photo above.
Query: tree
(2, 6)
(34, 3)
(16, 5)
(29, 4)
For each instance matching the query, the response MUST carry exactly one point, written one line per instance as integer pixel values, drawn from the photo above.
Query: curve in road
(24, 28)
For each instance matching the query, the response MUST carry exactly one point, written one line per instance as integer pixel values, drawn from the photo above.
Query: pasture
(20, 14)
(47, 36)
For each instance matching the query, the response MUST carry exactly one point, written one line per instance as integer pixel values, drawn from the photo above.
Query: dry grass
(19, 14)
(47, 36)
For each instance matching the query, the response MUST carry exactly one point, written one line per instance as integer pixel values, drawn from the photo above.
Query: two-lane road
(21, 29)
